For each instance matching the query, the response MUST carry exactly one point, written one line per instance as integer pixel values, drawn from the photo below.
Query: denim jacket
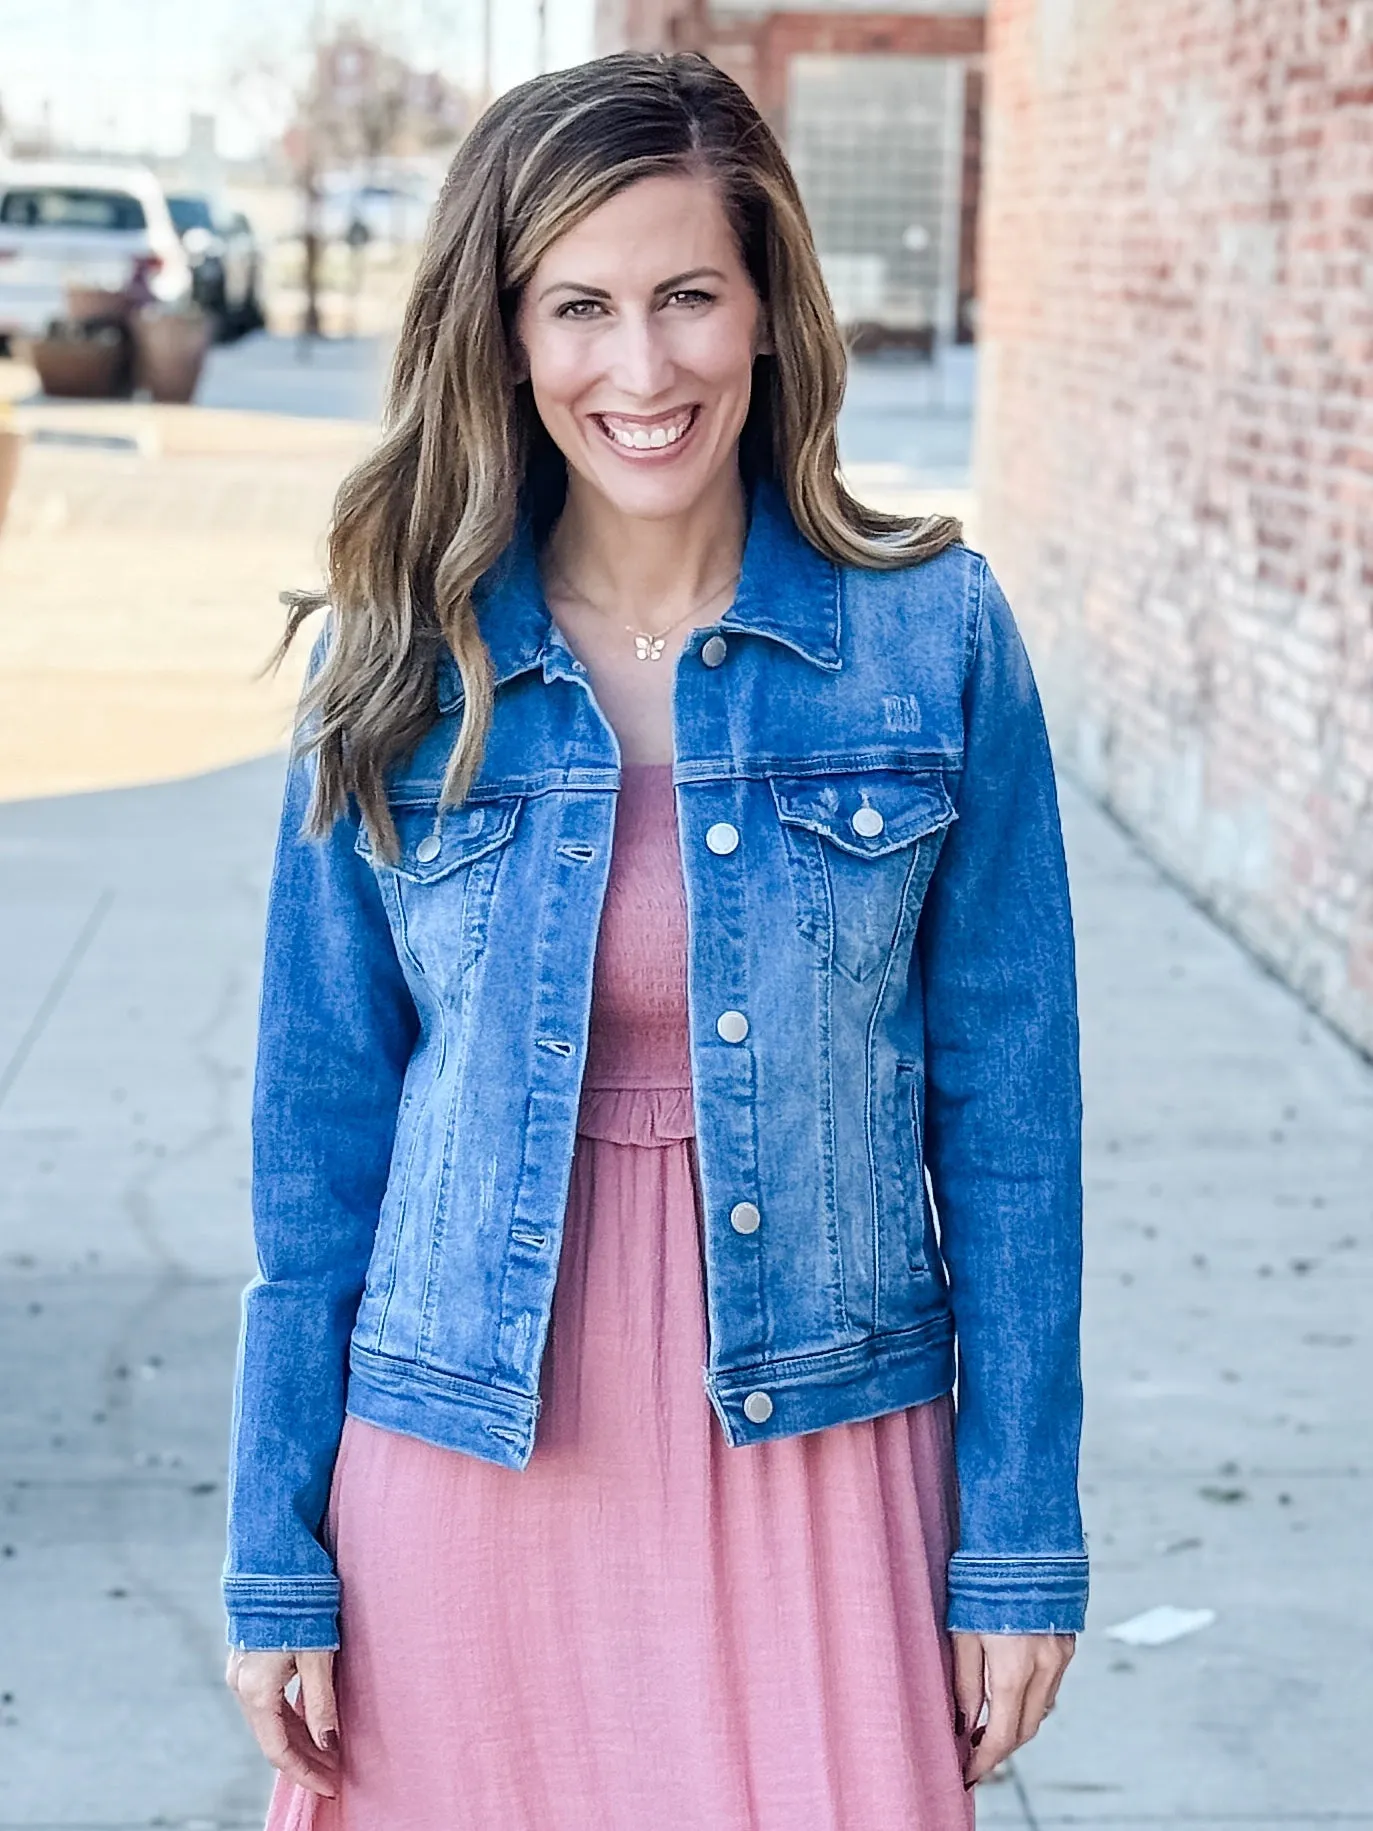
(884, 1056)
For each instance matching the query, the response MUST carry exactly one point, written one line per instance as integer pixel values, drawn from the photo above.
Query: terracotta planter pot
(169, 353)
(11, 444)
(85, 303)
(83, 368)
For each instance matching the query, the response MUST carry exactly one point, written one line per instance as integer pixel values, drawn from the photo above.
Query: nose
(641, 364)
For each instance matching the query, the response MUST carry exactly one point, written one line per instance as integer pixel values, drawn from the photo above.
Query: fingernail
(960, 1722)
(328, 1738)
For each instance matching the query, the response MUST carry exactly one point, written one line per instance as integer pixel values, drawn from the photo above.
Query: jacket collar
(787, 591)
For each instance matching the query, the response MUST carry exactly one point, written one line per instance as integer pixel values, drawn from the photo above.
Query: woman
(670, 904)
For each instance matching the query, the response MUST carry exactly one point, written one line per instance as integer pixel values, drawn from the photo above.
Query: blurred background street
(1110, 305)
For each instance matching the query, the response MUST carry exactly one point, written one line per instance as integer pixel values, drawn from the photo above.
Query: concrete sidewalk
(1229, 1168)
(1230, 1190)
(139, 572)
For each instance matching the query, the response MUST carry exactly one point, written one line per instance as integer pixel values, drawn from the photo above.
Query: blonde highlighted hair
(433, 506)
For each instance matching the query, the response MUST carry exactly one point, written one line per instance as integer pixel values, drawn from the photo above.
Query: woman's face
(639, 328)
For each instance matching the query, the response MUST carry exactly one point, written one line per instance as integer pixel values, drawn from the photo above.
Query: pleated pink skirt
(645, 1628)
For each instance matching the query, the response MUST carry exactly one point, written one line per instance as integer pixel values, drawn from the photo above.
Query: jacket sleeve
(336, 1030)
(1003, 1126)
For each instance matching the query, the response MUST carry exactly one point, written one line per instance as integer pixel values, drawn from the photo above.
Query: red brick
(1177, 439)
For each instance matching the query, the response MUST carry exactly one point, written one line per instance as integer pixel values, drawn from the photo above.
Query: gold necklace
(648, 644)
(648, 647)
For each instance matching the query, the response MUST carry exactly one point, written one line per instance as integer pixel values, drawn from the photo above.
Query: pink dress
(645, 1627)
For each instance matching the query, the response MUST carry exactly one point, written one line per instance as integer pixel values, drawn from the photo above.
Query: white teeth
(642, 438)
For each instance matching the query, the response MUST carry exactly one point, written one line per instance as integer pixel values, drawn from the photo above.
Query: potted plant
(87, 359)
(169, 349)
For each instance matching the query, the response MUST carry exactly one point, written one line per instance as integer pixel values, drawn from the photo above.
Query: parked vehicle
(394, 211)
(88, 230)
(226, 260)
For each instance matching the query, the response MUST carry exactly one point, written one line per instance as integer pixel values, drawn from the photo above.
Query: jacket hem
(841, 1386)
(807, 1392)
(449, 1410)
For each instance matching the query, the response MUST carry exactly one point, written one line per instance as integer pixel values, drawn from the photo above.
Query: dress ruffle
(637, 1115)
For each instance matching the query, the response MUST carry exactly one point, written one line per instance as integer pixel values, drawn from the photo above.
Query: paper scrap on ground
(1157, 1626)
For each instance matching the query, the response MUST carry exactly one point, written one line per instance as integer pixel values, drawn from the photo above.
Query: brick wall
(1176, 440)
(756, 47)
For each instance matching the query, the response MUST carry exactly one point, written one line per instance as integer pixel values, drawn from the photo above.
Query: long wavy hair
(433, 506)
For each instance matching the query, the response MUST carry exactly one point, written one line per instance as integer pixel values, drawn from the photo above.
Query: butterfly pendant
(648, 648)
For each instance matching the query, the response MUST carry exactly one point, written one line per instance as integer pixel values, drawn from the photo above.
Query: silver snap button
(744, 1217)
(428, 848)
(722, 838)
(757, 1408)
(867, 823)
(732, 1026)
(713, 651)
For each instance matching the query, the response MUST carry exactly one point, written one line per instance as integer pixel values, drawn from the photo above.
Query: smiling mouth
(662, 432)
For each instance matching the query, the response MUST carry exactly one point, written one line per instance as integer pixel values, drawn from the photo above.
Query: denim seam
(869, 1077)
(805, 854)
(801, 1364)
(550, 891)
(300, 1579)
(974, 638)
(994, 1560)
(436, 1005)
(483, 1392)
(915, 1191)
(439, 1225)
(839, 1299)
(439, 1228)
(301, 1595)
(424, 1320)
(762, 767)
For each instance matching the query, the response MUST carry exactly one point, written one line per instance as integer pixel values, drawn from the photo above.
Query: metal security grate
(876, 144)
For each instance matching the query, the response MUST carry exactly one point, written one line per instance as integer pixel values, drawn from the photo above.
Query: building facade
(1176, 440)
(880, 112)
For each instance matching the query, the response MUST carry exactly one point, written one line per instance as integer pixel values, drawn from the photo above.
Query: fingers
(259, 1681)
(1067, 1644)
(1023, 1673)
(1008, 1671)
(1034, 1703)
(317, 1703)
(969, 1682)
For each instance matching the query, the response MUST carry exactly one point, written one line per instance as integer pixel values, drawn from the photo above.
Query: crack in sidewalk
(53, 996)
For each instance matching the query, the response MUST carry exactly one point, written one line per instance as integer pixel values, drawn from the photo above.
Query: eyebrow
(599, 292)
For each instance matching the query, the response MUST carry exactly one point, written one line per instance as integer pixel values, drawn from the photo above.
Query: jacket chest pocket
(860, 849)
(441, 886)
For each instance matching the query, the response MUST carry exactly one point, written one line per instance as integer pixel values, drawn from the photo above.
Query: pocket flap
(430, 848)
(867, 813)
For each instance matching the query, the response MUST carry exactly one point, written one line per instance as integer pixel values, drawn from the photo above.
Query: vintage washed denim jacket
(883, 1042)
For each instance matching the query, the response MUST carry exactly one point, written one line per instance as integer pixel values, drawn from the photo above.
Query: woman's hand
(1017, 1677)
(300, 1739)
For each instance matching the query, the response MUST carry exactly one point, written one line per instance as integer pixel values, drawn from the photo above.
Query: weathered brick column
(1176, 440)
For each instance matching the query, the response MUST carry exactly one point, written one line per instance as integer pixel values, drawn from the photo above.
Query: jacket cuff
(1026, 1595)
(282, 1614)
